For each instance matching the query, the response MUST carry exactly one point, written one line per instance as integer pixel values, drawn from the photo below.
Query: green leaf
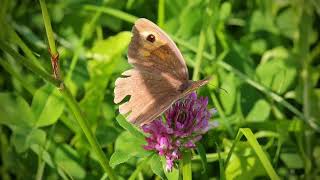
(262, 22)
(108, 112)
(258, 46)
(277, 74)
(105, 50)
(130, 144)
(292, 160)
(259, 112)
(119, 157)
(105, 56)
(17, 115)
(106, 134)
(39, 150)
(129, 127)
(15, 112)
(288, 22)
(47, 105)
(126, 147)
(156, 166)
(68, 159)
(225, 10)
(22, 140)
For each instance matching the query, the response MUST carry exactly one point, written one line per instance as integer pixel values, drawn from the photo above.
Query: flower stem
(186, 166)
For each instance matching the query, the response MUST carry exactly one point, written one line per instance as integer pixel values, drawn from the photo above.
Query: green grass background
(263, 57)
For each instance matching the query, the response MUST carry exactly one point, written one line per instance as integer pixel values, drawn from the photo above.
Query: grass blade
(257, 149)
(161, 11)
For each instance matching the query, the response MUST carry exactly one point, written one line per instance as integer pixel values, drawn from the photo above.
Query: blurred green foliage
(264, 57)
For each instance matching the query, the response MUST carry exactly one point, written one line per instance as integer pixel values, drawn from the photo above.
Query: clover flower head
(185, 123)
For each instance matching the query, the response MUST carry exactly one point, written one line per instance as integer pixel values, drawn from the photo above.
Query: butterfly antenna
(223, 90)
(219, 88)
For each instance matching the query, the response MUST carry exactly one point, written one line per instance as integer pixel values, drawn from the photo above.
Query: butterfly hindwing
(149, 93)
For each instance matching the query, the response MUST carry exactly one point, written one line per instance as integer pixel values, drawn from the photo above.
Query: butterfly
(159, 76)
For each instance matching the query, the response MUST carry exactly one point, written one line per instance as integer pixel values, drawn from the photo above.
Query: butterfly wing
(150, 95)
(159, 71)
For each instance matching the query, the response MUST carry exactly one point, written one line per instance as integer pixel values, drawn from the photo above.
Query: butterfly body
(159, 76)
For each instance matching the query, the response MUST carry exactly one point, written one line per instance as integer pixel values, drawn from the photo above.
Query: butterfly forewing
(161, 55)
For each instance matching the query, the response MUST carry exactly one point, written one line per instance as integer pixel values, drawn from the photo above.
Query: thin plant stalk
(47, 25)
(305, 29)
(113, 12)
(161, 13)
(202, 41)
(72, 103)
(201, 46)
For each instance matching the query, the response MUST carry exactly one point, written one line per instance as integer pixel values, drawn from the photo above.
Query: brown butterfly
(159, 76)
